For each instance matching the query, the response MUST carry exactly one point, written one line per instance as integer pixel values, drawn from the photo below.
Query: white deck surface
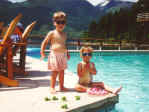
(29, 96)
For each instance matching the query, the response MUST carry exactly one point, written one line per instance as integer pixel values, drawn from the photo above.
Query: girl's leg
(61, 81)
(106, 87)
(81, 88)
(97, 84)
(114, 91)
(53, 81)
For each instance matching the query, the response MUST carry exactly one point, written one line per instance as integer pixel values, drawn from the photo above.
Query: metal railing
(97, 44)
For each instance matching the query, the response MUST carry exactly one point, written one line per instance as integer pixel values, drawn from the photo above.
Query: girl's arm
(44, 44)
(81, 70)
(92, 69)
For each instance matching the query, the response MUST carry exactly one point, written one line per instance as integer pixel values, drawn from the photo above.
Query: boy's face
(86, 55)
(60, 24)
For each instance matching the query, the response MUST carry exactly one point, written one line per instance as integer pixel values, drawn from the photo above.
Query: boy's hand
(68, 56)
(42, 56)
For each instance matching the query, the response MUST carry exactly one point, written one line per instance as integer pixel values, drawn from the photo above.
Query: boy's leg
(53, 81)
(61, 81)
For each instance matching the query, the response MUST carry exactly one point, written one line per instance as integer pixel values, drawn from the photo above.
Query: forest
(122, 25)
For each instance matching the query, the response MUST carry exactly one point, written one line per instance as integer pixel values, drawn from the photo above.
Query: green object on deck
(64, 106)
(47, 99)
(54, 98)
(64, 98)
(77, 97)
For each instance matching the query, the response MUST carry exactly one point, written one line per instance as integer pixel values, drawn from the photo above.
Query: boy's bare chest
(60, 38)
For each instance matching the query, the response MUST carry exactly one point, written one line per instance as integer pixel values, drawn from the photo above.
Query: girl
(86, 70)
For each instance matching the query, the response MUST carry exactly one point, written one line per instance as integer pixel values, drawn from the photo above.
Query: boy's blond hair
(59, 15)
(84, 48)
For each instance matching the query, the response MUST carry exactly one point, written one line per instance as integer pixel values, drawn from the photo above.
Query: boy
(57, 60)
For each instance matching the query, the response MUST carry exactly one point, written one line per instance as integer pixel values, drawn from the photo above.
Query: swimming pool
(131, 70)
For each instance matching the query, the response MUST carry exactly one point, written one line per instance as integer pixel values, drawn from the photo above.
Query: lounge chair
(1, 29)
(6, 55)
(22, 45)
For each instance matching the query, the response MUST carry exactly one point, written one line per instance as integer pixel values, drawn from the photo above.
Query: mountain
(113, 5)
(79, 12)
(4, 3)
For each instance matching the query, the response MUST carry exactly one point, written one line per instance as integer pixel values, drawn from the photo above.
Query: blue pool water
(131, 70)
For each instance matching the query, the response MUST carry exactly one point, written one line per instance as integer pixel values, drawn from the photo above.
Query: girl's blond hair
(84, 48)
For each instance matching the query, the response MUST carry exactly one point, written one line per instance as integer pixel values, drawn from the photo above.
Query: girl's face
(86, 55)
(60, 24)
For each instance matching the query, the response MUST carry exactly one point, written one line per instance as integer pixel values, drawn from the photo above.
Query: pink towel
(97, 91)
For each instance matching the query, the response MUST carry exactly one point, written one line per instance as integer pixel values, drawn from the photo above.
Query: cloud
(95, 2)
(16, 1)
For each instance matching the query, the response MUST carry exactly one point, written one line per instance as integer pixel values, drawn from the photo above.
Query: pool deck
(33, 88)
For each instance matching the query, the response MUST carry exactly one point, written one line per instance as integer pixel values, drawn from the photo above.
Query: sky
(94, 2)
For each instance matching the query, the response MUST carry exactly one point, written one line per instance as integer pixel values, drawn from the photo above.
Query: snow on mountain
(104, 3)
(113, 5)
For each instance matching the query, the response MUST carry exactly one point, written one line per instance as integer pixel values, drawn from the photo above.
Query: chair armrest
(20, 44)
(5, 45)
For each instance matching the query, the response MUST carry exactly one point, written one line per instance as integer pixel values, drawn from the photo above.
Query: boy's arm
(93, 69)
(68, 55)
(44, 44)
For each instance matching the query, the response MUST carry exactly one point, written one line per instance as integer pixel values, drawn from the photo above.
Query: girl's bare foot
(117, 90)
(52, 91)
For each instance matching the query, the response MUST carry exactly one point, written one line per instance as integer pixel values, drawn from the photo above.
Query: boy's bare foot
(52, 91)
(64, 89)
(117, 90)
